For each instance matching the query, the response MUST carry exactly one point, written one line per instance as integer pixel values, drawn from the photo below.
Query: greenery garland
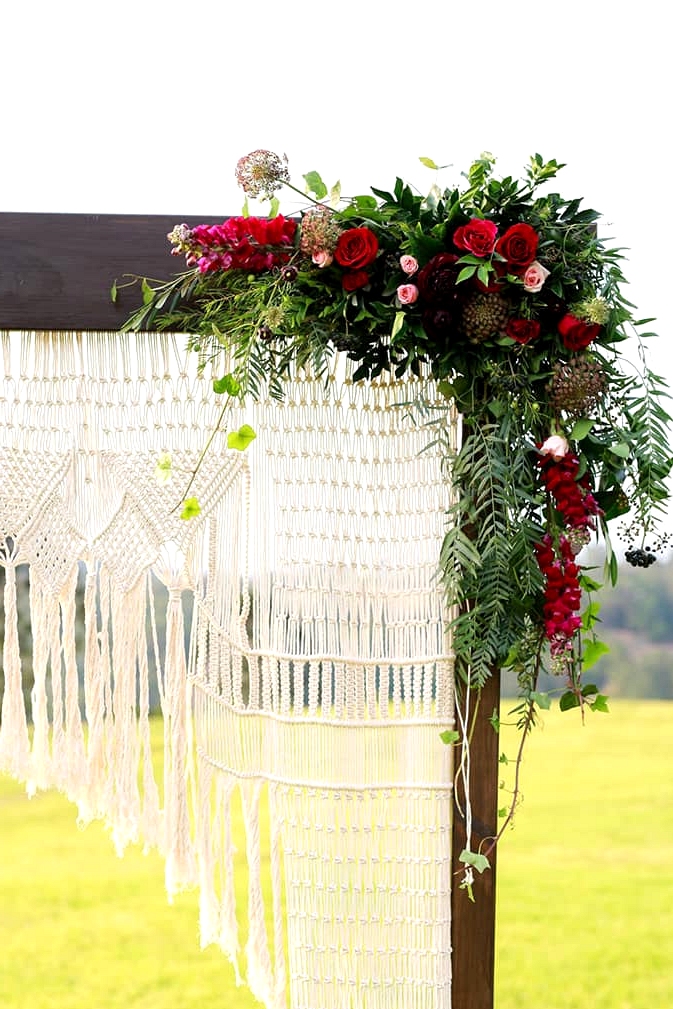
(506, 293)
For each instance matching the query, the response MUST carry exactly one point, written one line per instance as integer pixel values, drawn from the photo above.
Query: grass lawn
(585, 889)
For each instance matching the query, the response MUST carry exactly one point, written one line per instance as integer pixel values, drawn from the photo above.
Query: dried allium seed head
(578, 385)
(261, 172)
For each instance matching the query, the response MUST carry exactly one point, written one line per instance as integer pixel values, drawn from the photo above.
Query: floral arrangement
(504, 292)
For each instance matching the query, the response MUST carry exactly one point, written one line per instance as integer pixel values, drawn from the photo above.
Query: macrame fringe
(298, 650)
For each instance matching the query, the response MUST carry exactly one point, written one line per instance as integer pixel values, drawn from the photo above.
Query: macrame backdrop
(305, 663)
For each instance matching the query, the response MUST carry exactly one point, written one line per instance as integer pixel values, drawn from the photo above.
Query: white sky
(145, 106)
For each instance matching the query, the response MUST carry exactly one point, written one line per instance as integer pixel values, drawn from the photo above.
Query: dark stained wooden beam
(56, 270)
(473, 924)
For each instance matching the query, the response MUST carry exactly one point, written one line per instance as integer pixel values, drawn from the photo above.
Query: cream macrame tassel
(14, 742)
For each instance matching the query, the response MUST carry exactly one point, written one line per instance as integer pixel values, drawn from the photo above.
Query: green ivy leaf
(449, 736)
(241, 439)
(542, 699)
(600, 703)
(569, 700)
(163, 471)
(590, 615)
(226, 385)
(473, 858)
(592, 653)
(190, 508)
(315, 185)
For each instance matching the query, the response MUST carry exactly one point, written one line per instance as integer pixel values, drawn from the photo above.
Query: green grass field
(585, 889)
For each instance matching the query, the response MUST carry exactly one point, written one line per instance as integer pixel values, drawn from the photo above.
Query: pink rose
(407, 294)
(409, 264)
(556, 446)
(322, 258)
(477, 237)
(534, 277)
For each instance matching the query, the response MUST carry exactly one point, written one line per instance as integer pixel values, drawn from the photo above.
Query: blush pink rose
(407, 294)
(534, 277)
(322, 258)
(556, 446)
(409, 264)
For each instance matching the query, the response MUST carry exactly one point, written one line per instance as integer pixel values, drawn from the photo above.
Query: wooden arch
(56, 273)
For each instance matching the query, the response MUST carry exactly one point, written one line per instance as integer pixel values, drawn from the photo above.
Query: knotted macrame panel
(294, 633)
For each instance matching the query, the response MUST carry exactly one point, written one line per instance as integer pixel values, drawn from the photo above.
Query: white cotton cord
(75, 772)
(179, 855)
(259, 971)
(41, 775)
(14, 742)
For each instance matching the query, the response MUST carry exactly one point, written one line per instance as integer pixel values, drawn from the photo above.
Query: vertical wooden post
(473, 924)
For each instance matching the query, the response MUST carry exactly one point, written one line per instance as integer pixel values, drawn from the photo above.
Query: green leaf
(589, 584)
(397, 324)
(114, 292)
(226, 385)
(590, 615)
(473, 858)
(592, 653)
(569, 700)
(148, 292)
(600, 703)
(274, 206)
(190, 508)
(466, 273)
(581, 429)
(543, 700)
(429, 163)
(245, 209)
(335, 194)
(449, 736)
(315, 185)
(241, 439)
(503, 759)
(621, 449)
(163, 470)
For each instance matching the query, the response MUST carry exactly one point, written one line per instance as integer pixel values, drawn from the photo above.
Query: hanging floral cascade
(505, 293)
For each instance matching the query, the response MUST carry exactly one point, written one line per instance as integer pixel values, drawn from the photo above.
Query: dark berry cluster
(639, 557)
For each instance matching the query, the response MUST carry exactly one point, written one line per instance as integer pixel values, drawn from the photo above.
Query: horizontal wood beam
(56, 270)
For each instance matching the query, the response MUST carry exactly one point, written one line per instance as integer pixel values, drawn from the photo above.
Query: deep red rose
(575, 333)
(436, 282)
(518, 246)
(354, 280)
(477, 237)
(356, 248)
(523, 330)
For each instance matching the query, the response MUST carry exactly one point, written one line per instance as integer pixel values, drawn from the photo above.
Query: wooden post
(56, 272)
(473, 924)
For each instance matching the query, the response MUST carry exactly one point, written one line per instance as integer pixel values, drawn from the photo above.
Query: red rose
(575, 333)
(477, 237)
(354, 280)
(523, 330)
(356, 248)
(518, 246)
